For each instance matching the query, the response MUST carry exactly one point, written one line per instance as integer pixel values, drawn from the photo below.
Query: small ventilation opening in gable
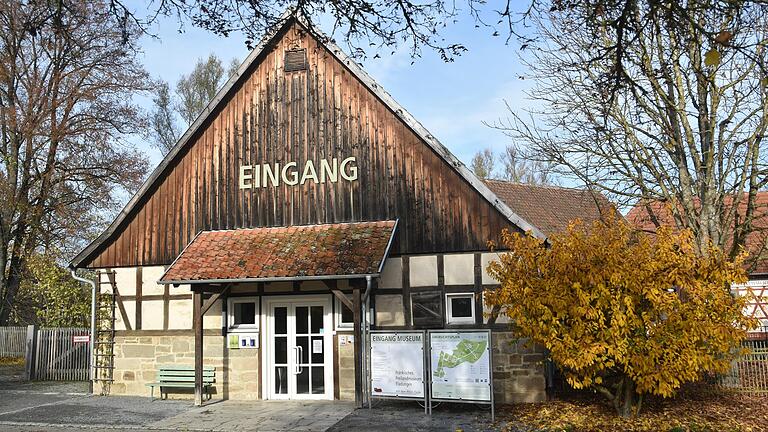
(295, 60)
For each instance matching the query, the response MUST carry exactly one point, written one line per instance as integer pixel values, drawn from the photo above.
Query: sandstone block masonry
(346, 366)
(518, 369)
(137, 359)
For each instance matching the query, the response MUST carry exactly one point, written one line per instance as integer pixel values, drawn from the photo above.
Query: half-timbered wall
(323, 112)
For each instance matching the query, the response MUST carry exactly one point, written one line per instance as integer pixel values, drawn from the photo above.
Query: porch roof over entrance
(329, 251)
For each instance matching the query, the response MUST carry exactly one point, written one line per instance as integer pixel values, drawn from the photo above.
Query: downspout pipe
(91, 348)
(364, 333)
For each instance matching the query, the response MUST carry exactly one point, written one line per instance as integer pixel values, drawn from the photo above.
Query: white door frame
(267, 367)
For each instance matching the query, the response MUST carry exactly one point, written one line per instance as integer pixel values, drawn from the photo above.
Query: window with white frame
(344, 317)
(460, 308)
(243, 313)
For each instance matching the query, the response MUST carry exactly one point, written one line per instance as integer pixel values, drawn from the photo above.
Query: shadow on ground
(12, 380)
(409, 416)
(66, 406)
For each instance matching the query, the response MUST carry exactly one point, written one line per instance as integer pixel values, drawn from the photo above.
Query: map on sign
(466, 351)
(461, 367)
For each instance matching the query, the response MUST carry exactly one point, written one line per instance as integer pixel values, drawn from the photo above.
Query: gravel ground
(12, 380)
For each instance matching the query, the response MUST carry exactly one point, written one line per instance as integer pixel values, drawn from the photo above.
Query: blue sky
(450, 99)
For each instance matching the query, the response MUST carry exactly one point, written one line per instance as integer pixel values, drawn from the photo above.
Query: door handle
(295, 360)
(300, 354)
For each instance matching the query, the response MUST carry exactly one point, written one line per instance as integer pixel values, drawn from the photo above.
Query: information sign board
(397, 364)
(460, 365)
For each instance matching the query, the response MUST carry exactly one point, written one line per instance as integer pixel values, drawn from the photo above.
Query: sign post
(398, 366)
(461, 367)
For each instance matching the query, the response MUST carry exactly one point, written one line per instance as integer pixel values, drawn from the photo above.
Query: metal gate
(749, 372)
(12, 341)
(61, 354)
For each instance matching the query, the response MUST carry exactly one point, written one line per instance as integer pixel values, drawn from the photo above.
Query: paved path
(49, 407)
(398, 416)
(61, 412)
(261, 416)
(41, 411)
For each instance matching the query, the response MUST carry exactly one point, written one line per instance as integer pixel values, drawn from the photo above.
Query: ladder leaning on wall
(104, 349)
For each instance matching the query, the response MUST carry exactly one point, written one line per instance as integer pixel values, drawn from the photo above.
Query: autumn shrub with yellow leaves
(622, 312)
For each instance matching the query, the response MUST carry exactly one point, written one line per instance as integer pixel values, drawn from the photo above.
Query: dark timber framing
(357, 308)
(138, 298)
(331, 109)
(197, 323)
(119, 300)
(195, 186)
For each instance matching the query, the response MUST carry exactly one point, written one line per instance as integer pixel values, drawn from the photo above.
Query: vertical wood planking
(320, 113)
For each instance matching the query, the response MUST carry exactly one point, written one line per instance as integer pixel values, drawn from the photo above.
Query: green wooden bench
(181, 376)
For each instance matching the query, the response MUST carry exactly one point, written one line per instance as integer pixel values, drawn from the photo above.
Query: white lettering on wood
(245, 179)
(331, 171)
(258, 176)
(350, 175)
(309, 172)
(292, 177)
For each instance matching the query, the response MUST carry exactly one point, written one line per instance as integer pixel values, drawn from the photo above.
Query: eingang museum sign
(397, 364)
(291, 174)
(433, 365)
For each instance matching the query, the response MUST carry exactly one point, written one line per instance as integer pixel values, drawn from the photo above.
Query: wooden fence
(60, 356)
(749, 373)
(13, 341)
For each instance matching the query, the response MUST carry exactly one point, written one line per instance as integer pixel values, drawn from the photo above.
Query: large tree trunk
(12, 282)
(623, 397)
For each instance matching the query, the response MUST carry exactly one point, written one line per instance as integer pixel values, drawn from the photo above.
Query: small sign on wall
(81, 338)
(243, 340)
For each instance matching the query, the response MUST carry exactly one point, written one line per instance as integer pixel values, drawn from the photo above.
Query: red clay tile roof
(284, 252)
(550, 208)
(756, 246)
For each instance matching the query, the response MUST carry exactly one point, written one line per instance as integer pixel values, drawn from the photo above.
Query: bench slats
(182, 376)
(185, 368)
(184, 379)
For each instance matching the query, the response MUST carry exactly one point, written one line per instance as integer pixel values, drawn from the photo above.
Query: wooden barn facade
(302, 208)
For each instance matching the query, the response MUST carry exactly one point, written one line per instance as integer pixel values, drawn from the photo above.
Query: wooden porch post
(197, 323)
(358, 346)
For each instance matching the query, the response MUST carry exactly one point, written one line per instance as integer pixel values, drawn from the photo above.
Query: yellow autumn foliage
(613, 304)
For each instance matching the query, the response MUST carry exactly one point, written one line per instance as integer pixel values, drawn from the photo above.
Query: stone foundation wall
(346, 366)
(137, 359)
(518, 370)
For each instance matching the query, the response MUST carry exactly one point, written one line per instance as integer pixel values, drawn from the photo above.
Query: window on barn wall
(243, 313)
(344, 317)
(295, 60)
(427, 309)
(460, 308)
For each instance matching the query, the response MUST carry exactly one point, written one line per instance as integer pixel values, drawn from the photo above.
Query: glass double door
(300, 356)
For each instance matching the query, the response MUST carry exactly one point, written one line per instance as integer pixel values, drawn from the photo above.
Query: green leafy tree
(49, 296)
